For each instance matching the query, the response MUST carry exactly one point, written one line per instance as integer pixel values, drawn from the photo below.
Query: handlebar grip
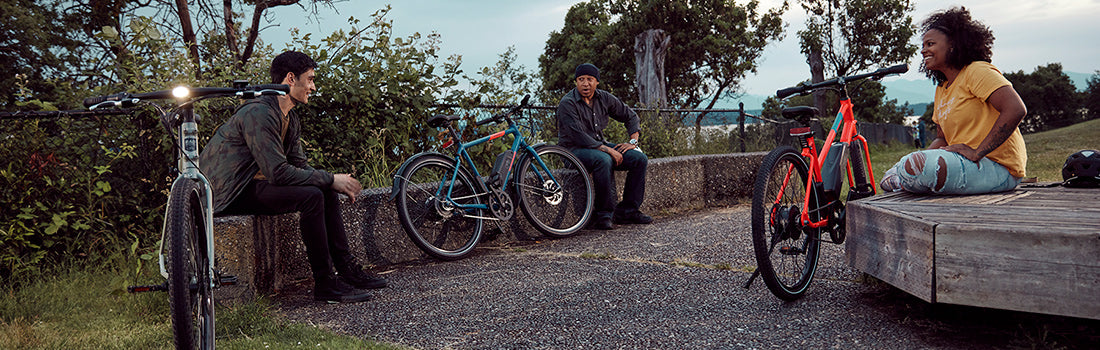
(92, 101)
(278, 87)
(898, 69)
(783, 93)
(493, 119)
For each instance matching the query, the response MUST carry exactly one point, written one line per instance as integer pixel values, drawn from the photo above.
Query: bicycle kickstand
(751, 278)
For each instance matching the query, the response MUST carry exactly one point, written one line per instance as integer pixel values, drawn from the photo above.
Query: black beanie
(587, 69)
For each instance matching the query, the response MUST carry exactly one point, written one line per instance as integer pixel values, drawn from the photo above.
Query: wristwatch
(633, 142)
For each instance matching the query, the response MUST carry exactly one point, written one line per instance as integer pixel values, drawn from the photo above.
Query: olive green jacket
(250, 142)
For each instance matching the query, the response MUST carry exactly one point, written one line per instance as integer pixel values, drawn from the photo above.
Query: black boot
(334, 290)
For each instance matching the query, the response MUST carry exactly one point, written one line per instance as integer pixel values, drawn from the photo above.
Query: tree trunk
(189, 35)
(650, 49)
(231, 31)
(817, 75)
(254, 31)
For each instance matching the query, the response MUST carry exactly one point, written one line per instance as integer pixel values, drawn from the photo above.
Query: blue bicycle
(443, 201)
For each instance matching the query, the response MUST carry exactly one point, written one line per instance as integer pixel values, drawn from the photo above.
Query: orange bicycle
(797, 195)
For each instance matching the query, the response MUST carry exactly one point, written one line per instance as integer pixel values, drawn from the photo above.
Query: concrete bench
(1033, 249)
(266, 253)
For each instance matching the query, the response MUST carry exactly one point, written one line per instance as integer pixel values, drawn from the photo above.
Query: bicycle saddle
(439, 120)
(801, 113)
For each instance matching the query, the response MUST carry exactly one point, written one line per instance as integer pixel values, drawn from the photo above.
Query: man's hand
(615, 155)
(623, 147)
(346, 184)
(961, 148)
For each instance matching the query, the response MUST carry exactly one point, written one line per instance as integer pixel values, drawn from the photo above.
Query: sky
(1029, 33)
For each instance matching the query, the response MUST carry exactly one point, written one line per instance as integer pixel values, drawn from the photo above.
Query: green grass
(1046, 151)
(89, 309)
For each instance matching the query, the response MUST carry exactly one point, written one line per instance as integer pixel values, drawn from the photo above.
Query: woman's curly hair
(970, 40)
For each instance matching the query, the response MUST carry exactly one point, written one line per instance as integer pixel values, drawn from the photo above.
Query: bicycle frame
(462, 155)
(845, 124)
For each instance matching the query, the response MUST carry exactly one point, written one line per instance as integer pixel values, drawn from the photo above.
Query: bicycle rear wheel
(557, 198)
(434, 223)
(190, 294)
(786, 253)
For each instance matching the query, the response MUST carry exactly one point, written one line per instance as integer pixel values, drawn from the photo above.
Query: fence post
(741, 123)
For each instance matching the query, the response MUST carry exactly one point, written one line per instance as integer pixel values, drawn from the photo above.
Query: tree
(1091, 99)
(714, 43)
(844, 37)
(34, 47)
(1050, 96)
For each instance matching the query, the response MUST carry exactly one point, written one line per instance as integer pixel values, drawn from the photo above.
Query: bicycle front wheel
(190, 294)
(786, 252)
(433, 220)
(556, 194)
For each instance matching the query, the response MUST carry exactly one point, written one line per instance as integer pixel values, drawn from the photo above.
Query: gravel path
(673, 284)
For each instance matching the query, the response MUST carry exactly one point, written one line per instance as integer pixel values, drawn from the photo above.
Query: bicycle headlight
(181, 92)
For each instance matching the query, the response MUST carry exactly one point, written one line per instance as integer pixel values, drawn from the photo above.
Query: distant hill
(919, 93)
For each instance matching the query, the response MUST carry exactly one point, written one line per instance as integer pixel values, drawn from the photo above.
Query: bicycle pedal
(227, 280)
(789, 250)
(149, 288)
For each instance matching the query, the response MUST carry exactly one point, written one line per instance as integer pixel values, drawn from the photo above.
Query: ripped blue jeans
(938, 171)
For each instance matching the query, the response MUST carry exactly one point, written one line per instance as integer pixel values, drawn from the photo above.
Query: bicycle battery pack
(832, 171)
(500, 168)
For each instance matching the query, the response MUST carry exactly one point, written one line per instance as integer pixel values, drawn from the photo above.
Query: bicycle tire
(558, 206)
(190, 295)
(435, 225)
(786, 254)
(858, 162)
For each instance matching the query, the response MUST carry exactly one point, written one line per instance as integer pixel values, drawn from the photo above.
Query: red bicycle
(797, 194)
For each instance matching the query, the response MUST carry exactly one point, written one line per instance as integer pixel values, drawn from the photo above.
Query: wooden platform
(1032, 249)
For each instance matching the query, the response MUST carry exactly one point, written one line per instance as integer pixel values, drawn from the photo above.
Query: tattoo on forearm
(998, 135)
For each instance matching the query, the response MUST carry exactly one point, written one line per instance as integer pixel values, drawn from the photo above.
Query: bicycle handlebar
(497, 118)
(128, 100)
(882, 72)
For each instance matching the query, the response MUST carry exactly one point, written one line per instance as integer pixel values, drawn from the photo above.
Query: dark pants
(601, 167)
(320, 222)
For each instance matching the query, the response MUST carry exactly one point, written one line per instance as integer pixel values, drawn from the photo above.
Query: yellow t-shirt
(966, 117)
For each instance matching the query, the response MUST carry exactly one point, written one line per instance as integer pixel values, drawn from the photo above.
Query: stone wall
(266, 253)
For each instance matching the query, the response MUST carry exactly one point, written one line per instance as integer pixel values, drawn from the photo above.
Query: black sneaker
(334, 290)
(601, 224)
(356, 277)
(634, 218)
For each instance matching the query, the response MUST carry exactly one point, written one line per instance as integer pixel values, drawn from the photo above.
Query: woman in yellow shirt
(978, 148)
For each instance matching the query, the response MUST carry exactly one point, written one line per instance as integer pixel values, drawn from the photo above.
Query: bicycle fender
(397, 176)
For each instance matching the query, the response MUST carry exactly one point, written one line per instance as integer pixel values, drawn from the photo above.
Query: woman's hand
(965, 151)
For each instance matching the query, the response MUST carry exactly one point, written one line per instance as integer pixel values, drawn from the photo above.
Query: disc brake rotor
(553, 193)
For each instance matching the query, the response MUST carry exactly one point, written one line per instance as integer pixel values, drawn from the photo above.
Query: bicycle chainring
(838, 233)
(500, 204)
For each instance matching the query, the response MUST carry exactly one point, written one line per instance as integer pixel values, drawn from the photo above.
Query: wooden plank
(1066, 218)
(1051, 272)
(893, 247)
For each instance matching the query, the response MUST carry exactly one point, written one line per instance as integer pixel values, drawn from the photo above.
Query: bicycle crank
(500, 204)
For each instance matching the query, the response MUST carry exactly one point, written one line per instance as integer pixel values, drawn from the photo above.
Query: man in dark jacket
(255, 165)
(582, 116)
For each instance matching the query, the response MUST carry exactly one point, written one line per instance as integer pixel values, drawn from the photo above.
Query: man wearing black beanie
(582, 115)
